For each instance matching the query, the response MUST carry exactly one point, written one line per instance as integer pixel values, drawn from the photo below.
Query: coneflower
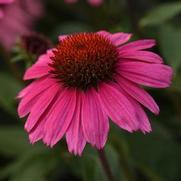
(87, 80)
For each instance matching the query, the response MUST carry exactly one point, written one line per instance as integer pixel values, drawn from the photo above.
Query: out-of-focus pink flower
(92, 2)
(35, 44)
(87, 79)
(17, 18)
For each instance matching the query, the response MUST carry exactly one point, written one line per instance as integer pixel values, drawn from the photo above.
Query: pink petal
(36, 133)
(117, 107)
(144, 124)
(154, 75)
(94, 120)
(6, 1)
(59, 117)
(104, 33)
(27, 89)
(116, 38)
(25, 106)
(1, 14)
(50, 52)
(74, 135)
(41, 105)
(120, 38)
(32, 95)
(62, 37)
(139, 94)
(137, 45)
(66, 118)
(145, 56)
(36, 72)
(36, 86)
(40, 68)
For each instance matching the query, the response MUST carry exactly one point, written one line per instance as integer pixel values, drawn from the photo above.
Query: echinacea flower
(91, 2)
(16, 19)
(86, 80)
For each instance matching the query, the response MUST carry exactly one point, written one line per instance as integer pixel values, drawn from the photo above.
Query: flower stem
(105, 164)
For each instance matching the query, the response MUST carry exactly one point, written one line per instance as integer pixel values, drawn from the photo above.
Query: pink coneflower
(86, 80)
(91, 2)
(16, 19)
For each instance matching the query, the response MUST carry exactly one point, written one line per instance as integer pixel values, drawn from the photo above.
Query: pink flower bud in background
(91, 2)
(17, 18)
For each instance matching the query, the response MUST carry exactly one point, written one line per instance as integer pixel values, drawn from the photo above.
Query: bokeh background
(155, 156)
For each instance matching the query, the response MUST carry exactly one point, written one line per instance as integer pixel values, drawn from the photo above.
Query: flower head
(87, 79)
(91, 2)
(86, 58)
(16, 19)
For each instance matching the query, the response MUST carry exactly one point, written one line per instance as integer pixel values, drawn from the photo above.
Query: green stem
(105, 164)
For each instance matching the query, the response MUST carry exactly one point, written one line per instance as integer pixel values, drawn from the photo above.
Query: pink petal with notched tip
(74, 135)
(40, 106)
(37, 133)
(31, 94)
(65, 118)
(142, 118)
(27, 89)
(59, 118)
(40, 68)
(120, 38)
(25, 106)
(94, 120)
(39, 84)
(116, 38)
(117, 107)
(154, 75)
(138, 93)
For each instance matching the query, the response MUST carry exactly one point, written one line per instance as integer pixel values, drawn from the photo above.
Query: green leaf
(9, 88)
(150, 174)
(32, 172)
(170, 43)
(155, 154)
(14, 141)
(161, 14)
(31, 166)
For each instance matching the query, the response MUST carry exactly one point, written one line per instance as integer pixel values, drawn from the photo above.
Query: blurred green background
(155, 156)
